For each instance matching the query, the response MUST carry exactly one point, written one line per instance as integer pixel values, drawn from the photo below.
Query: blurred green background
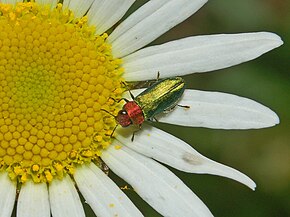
(263, 154)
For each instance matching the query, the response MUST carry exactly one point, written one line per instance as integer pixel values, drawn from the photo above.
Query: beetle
(161, 97)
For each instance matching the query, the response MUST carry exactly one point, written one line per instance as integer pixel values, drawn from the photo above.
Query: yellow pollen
(117, 147)
(55, 77)
(111, 205)
(35, 168)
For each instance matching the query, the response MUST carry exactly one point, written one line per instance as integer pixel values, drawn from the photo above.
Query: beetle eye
(123, 119)
(123, 112)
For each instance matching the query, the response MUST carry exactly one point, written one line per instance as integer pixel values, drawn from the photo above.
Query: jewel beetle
(161, 97)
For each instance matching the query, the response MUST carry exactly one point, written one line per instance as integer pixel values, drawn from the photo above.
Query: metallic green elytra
(161, 96)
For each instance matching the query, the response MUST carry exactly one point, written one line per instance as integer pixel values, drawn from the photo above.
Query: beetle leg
(158, 76)
(152, 120)
(173, 107)
(184, 106)
(112, 134)
(169, 109)
(133, 135)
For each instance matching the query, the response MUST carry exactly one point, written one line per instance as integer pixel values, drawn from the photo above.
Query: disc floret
(55, 76)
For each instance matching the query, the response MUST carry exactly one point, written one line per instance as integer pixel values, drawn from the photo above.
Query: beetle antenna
(132, 96)
(108, 112)
(114, 130)
(116, 124)
(119, 100)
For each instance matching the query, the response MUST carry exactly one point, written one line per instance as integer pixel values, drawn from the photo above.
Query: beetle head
(123, 118)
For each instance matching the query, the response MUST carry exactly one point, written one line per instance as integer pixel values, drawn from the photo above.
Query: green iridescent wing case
(161, 96)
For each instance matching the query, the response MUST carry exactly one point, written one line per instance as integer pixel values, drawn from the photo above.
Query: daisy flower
(62, 62)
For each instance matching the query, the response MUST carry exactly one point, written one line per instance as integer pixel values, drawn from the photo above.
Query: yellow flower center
(55, 76)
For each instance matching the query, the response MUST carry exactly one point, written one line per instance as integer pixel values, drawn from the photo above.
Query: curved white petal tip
(197, 54)
(217, 110)
(273, 38)
(168, 149)
(220, 111)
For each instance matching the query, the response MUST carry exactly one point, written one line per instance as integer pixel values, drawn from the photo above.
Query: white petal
(52, 3)
(157, 185)
(104, 14)
(102, 194)
(65, 4)
(161, 146)
(64, 199)
(149, 22)
(219, 111)
(7, 195)
(78, 7)
(33, 200)
(197, 54)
